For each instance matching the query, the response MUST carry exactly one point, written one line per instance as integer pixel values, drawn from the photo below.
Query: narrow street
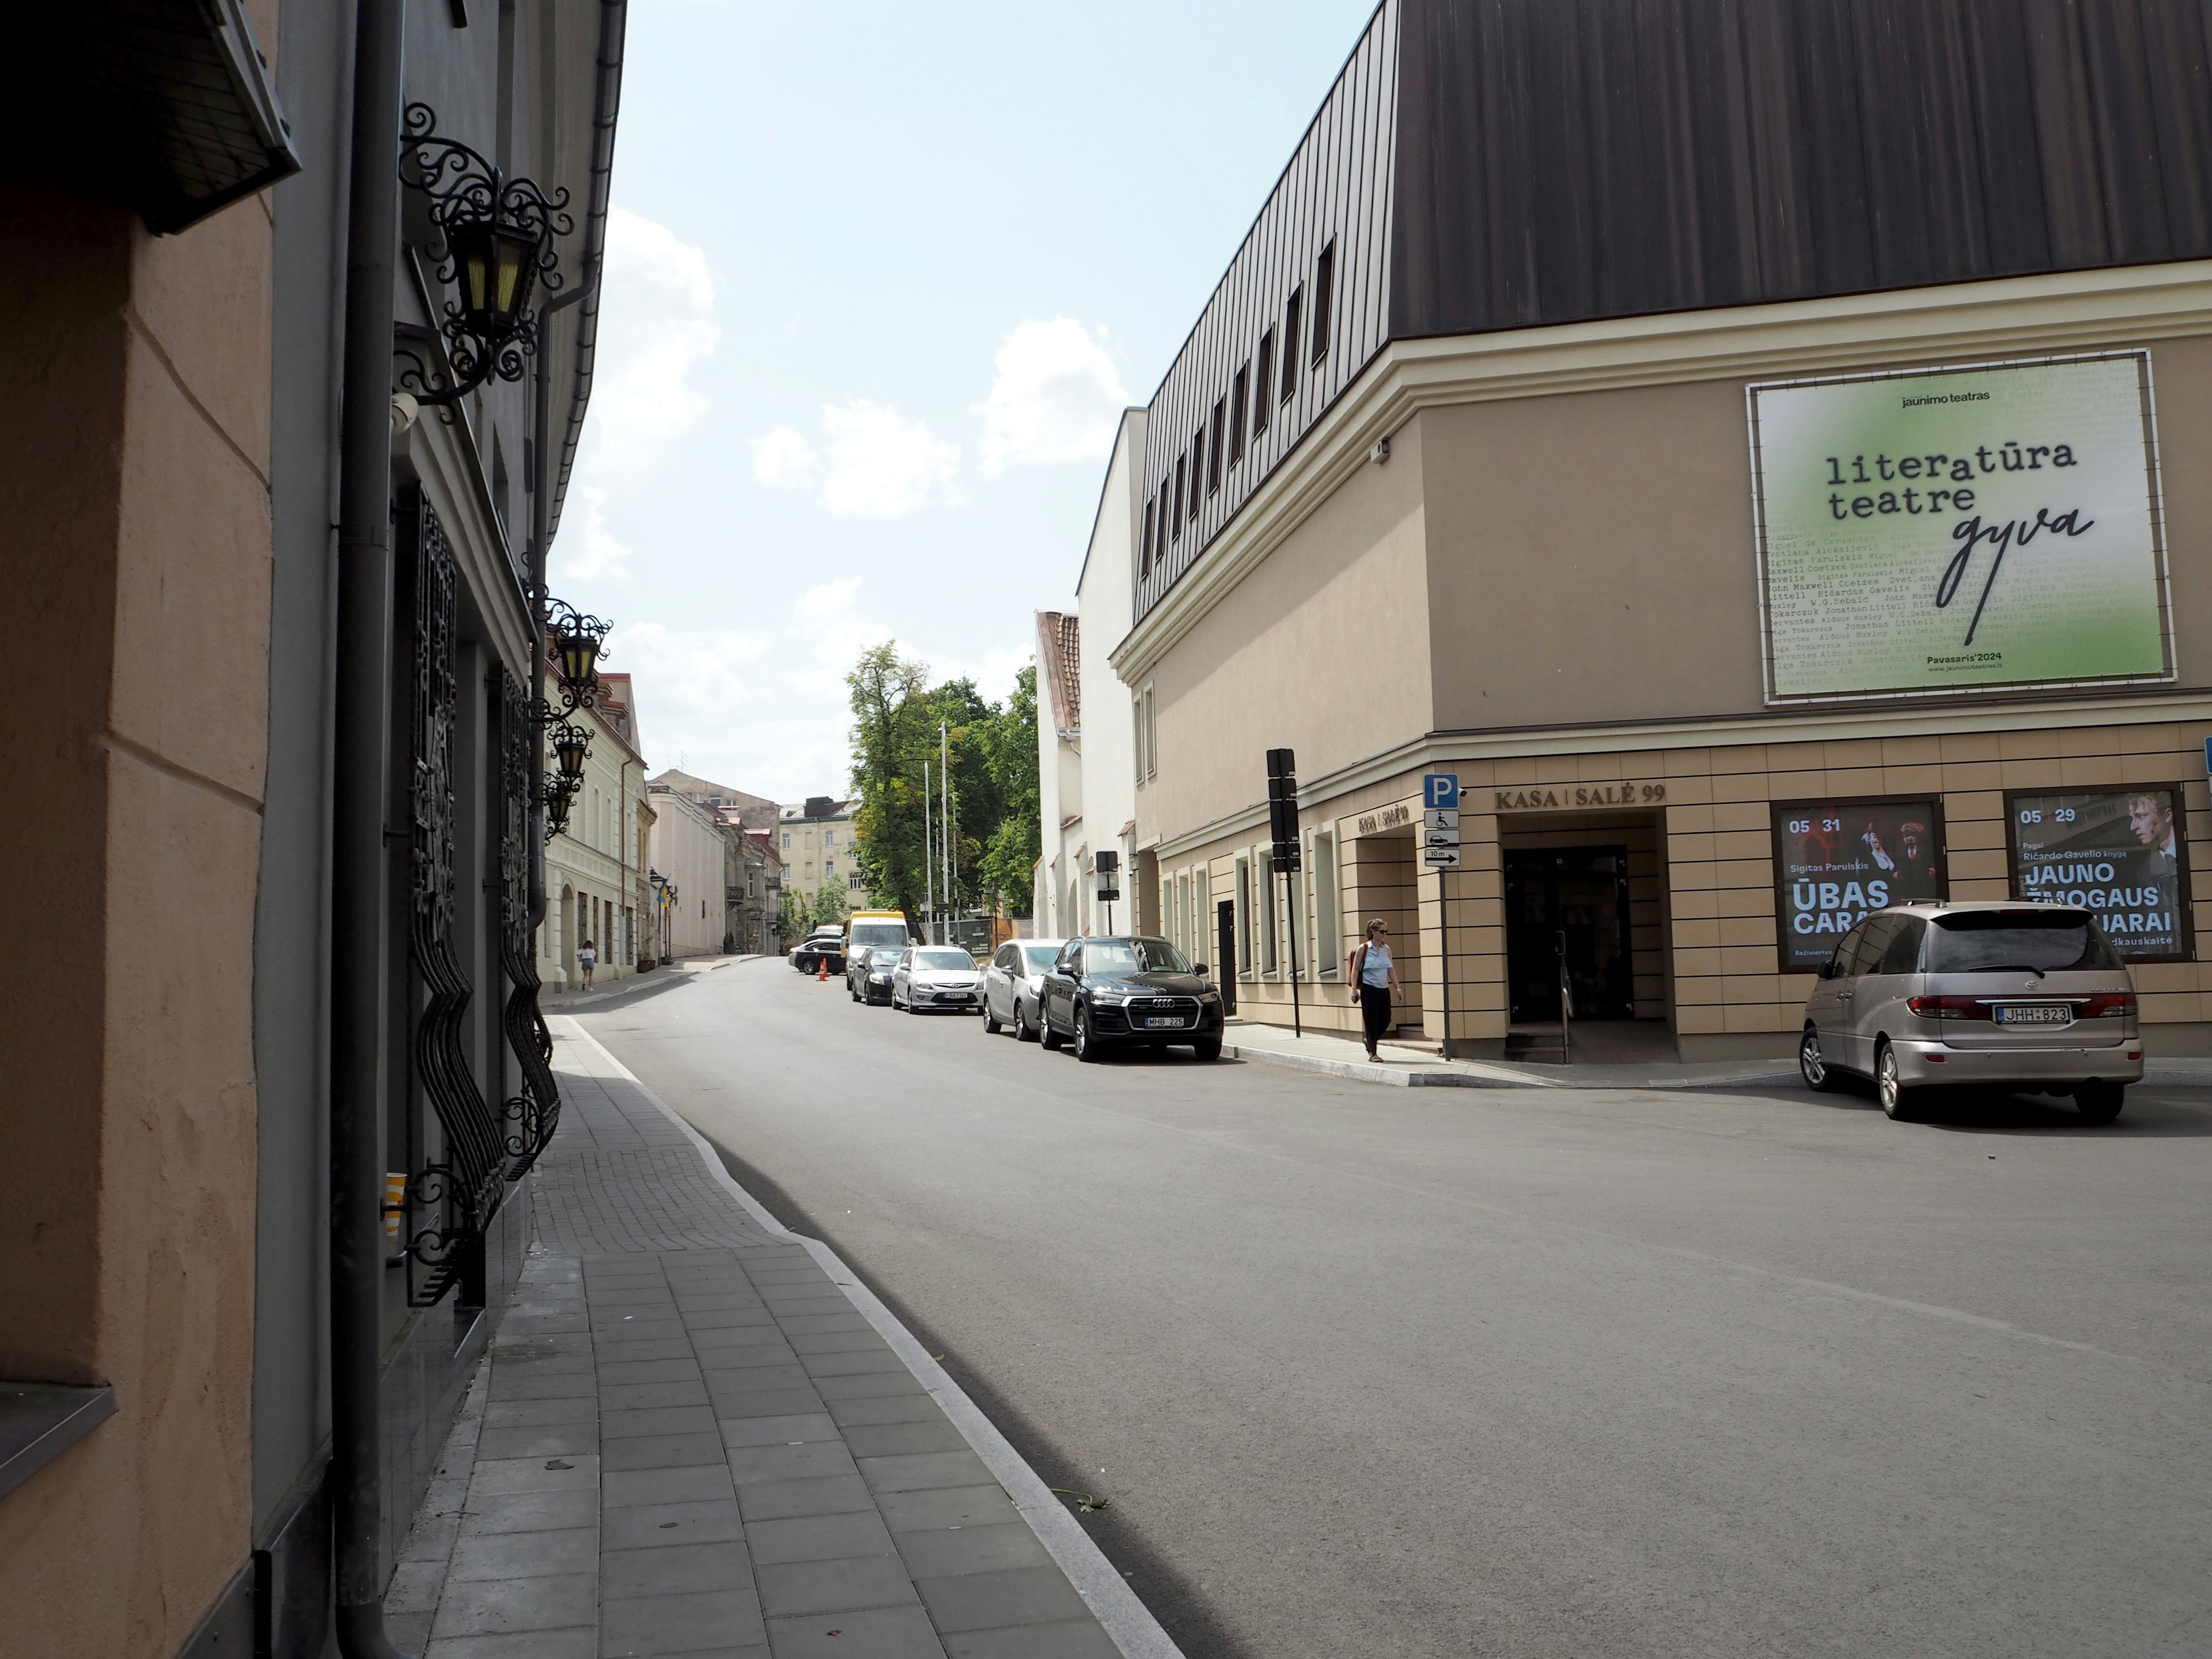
(1372, 1371)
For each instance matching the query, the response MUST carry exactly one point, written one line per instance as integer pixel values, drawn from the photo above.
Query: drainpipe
(545, 511)
(360, 871)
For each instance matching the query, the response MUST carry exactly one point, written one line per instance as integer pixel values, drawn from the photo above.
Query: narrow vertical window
(1329, 919)
(1324, 290)
(1160, 541)
(1213, 452)
(1237, 389)
(1292, 313)
(1152, 736)
(1145, 544)
(1266, 383)
(1137, 718)
(1243, 918)
(1197, 469)
(1264, 871)
(1175, 519)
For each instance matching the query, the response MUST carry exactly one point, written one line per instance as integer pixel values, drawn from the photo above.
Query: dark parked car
(1105, 992)
(822, 944)
(868, 971)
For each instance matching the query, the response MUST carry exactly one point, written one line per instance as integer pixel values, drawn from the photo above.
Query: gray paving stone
(811, 1324)
(949, 1506)
(681, 1623)
(669, 1568)
(549, 1385)
(779, 1431)
(539, 1413)
(929, 1434)
(650, 1525)
(775, 1500)
(546, 1324)
(415, 1586)
(732, 1319)
(641, 1330)
(614, 1372)
(868, 1385)
(497, 1477)
(819, 1537)
(520, 1361)
(690, 1483)
(836, 1341)
(650, 1347)
(512, 1604)
(577, 1642)
(1073, 1638)
(661, 1451)
(733, 1405)
(887, 1408)
(748, 1379)
(853, 1363)
(656, 1419)
(720, 1298)
(991, 1600)
(531, 1512)
(944, 1551)
(834, 1586)
(749, 1344)
(554, 1440)
(801, 1303)
(880, 1633)
(526, 1554)
(638, 1396)
(914, 1471)
(409, 1631)
(808, 1460)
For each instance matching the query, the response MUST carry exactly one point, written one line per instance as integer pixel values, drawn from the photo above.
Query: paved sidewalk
(1403, 1066)
(690, 1439)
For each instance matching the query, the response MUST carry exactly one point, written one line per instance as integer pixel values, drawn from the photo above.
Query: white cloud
(783, 460)
(1057, 398)
(657, 321)
(873, 464)
(588, 550)
(829, 599)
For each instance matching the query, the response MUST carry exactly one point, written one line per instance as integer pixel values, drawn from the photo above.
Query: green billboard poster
(1929, 532)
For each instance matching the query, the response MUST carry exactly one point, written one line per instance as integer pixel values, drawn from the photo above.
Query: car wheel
(991, 1026)
(1812, 1066)
(2100, 1103)
(1207, 1048)
(1088, 1049)
(1047, 1038)
(1023, 1031)
(1897, 1100)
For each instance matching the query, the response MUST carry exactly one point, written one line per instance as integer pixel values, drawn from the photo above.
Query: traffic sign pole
(1440, 848)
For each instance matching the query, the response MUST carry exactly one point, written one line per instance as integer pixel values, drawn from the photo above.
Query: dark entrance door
(1575, 897)
(1225, 953)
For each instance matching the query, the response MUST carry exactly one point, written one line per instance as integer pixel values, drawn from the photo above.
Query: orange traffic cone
(824, 974)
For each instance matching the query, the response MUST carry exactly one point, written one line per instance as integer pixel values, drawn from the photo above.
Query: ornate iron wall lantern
(498, 234)
(559, 792)
(572, 747)
(578, 642)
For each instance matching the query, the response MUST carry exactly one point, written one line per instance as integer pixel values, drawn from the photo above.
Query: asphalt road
(1385, 1372)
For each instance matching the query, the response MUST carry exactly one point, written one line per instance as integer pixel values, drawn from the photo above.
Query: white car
(936, 976)
(1014, 983)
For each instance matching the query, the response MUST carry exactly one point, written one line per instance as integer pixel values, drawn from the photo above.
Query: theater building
(1764, 453)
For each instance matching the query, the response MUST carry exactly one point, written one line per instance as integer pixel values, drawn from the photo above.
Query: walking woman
(1373, 982)
(587, 958)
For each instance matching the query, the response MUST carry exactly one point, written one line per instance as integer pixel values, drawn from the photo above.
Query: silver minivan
(2030, 997)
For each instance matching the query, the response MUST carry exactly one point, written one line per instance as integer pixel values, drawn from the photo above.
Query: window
(1197, 467)
(1237, 388)
(1145, 544)
(1261, 399)
(1213, 454)
(1175, 518)
(852, 881)
(787, 841)
(1291, 312)
(1328, 908)
(1243, 907)
(1137, 719)
(1264, 870)
(828, 837)
(1324, 290)
(1148, 736)
(829, 867)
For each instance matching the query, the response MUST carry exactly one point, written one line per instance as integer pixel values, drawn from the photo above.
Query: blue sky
(879, 279)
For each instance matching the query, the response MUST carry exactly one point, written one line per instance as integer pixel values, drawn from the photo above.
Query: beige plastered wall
(1586, 560)
(133, 456)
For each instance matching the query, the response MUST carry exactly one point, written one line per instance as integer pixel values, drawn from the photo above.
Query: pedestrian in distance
(587, 958)
(1373, 982)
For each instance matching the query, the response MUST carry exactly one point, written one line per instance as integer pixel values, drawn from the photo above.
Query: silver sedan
(1013, 983)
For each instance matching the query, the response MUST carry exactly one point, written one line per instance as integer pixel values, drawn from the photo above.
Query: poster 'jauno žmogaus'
(1925, 533)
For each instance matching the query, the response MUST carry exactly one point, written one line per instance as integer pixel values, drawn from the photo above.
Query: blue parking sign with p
(1440, 791)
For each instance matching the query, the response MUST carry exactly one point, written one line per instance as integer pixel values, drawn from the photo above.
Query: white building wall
(1105, 597)
(591, 871)
(687, 849)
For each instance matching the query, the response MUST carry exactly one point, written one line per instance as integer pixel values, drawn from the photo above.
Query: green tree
(790, 922)
(829, 905)
(966, 722)
(1009, 747)
(894, 732)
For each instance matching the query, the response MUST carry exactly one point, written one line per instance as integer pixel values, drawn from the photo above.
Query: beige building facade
(817, 843)
(1756, 541)
(596, 869)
